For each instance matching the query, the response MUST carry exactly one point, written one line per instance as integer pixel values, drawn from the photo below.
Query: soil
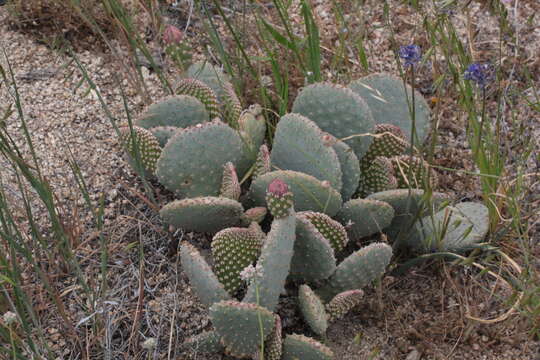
(421, 314)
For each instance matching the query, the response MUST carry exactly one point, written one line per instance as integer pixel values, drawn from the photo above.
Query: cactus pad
(231, 107)
(256, 214)
(387, 100)
(350, 169)
(338, 111)
(309, 193)
(274, 342)
(164, 133)
(358, 270)
(240, 325)
(263, 163)
(191, 164)
(364, 217)
(313, 310)
(202, 214)
(209, 74)
(299, 146)
(388, 141)
(275, 261)
(178, 111)
(313, 257)
(147, 146)
(206, 342)
(454, 228)
(409, 206)
(296, 347)
(234, 249)
(342, 303)
(413, 172)
(332, 230)
(230, 186)
(203, 280)
(201, 92)
(379, 176)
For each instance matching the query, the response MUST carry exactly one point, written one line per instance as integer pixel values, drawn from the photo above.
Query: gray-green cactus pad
(252, 129)
(313, 257)
(409, 206)
(201, 277)
(387, 99)
(275, 261)
(191, 164)
(300, 347)
(206, 342)
(338, 111)
(202, 214)
(313, 310)
(364, 217)
(332, 230)
(240, 325)
(178, 111)
(358, 270)
(350, 169)
(299, 146)
(164, 133)
(309, 193)
(455, 228)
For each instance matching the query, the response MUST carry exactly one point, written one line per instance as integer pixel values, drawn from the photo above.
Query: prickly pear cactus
(233, 249)
(313, 257)
(338, 111)
(387, 99)
(388, 140)
(240, 326)
(191, 164)
(455, 228)
(413, 172)
(201, 277)
(297, 346)
(309, 193)
(147, 147)
(379, 176)
(202, 214)
(256, 214)
(342, 303)
(252, 129)
(299, 146)
(206, 342)
(163, 133)
(230, 186)
(358, 270)
(274, 342)
(276, 254)
(350, 167)
(262, 163)
(202, 92)
(313, 310)
(332, 230)
(365, 217)
(179, 111)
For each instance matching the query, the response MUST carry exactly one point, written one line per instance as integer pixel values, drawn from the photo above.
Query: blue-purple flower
(481, 74)
(411, 54)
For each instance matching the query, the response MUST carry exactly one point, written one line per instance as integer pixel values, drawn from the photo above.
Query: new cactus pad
(145, 144)
(312, 310)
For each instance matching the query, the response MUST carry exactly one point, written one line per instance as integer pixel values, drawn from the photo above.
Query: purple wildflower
(411, 54)
(481, 74)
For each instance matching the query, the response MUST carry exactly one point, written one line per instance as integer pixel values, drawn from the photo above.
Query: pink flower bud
(172, 35)
(278, 188)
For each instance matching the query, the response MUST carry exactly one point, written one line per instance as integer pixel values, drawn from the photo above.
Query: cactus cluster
(300, 246)
(341, 168)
